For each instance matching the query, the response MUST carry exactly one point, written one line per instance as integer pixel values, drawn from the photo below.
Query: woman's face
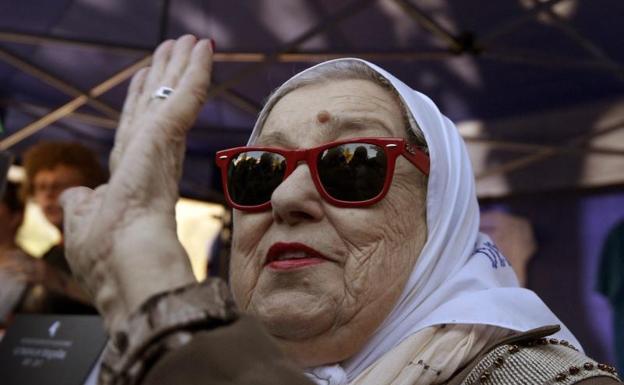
(48, 184)
(323, 310)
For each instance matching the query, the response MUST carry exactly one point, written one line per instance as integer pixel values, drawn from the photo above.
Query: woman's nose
(296, 198)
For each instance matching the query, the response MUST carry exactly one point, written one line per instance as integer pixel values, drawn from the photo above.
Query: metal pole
(348, 11)
(532, 147)
(585, 43)
(164, 20)
(545, 60)
(515, 23)
(233, 57)
(430, 24)
(80, 117)
(59, 84)
(73, 105)
(36, 39)
(548, 152)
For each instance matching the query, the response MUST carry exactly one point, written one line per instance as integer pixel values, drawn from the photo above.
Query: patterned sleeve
(194, 335)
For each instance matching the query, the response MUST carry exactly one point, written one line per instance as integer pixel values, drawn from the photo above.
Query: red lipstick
(286, 256)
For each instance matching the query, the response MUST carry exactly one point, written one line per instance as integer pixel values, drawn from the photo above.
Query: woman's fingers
(180, 57)
(128, 115)
(148, 161)
(186, 102)
(193, 86)
(156, 72)
(135, 91)
(109, 231)
(171, 62)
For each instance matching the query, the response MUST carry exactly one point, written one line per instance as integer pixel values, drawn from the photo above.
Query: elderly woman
(355, 245)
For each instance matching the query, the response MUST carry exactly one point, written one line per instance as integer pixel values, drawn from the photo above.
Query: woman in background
(27, 284)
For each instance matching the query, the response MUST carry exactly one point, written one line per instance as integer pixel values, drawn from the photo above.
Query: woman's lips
(286, 256)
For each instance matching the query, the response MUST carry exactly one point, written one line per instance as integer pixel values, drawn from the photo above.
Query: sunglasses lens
(253, 176)
(353, 172)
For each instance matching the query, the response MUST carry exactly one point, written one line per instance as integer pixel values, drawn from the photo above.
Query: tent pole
(507, 145)
(543, 154)
(73, 105)
(59, 84)
(515, 23)
(585, 43)
(348, 11)
(67, 88)
(36, 39)
(545, 60)
(531, 147)
(240, 101)
(31, 108)
(431, 25)
(229, 57)
(164, 20)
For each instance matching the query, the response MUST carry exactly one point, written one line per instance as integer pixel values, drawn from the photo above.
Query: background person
(17, 268)
(27, 284)
(52, 167)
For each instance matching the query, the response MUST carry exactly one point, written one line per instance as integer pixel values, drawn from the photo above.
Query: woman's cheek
(245, 269)
(241, 285)
(248, 230)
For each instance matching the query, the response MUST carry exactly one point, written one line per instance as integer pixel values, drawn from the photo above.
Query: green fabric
(611, 284)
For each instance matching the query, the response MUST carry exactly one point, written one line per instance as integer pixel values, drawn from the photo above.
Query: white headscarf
(460, 277)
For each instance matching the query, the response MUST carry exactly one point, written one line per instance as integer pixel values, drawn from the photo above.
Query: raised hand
(121, 238)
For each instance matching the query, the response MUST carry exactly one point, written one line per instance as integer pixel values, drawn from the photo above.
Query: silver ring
(163, 92)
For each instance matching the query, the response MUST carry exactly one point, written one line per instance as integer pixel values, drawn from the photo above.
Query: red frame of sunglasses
(393, 147)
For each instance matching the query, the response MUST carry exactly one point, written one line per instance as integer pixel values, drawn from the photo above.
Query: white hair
(341, 70)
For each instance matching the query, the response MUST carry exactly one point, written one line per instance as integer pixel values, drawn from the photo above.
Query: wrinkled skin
(121, 238)
(324, 313)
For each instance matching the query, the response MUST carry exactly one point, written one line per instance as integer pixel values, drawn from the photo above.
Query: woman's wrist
(159, 280)
(136, 294)
(138, 266)
(164, 322)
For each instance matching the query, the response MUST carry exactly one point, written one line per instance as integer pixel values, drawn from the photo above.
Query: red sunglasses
(348, 173)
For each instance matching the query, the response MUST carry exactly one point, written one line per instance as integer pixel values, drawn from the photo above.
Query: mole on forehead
(323, 116)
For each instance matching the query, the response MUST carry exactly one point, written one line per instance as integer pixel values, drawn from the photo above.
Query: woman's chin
(325, 348)
(295, 316)
(292, 330)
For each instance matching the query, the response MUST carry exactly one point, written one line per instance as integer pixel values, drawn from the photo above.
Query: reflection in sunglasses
(352, 173)
(254, 174)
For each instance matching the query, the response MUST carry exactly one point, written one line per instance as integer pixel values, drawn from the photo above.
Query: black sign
(46, 349)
